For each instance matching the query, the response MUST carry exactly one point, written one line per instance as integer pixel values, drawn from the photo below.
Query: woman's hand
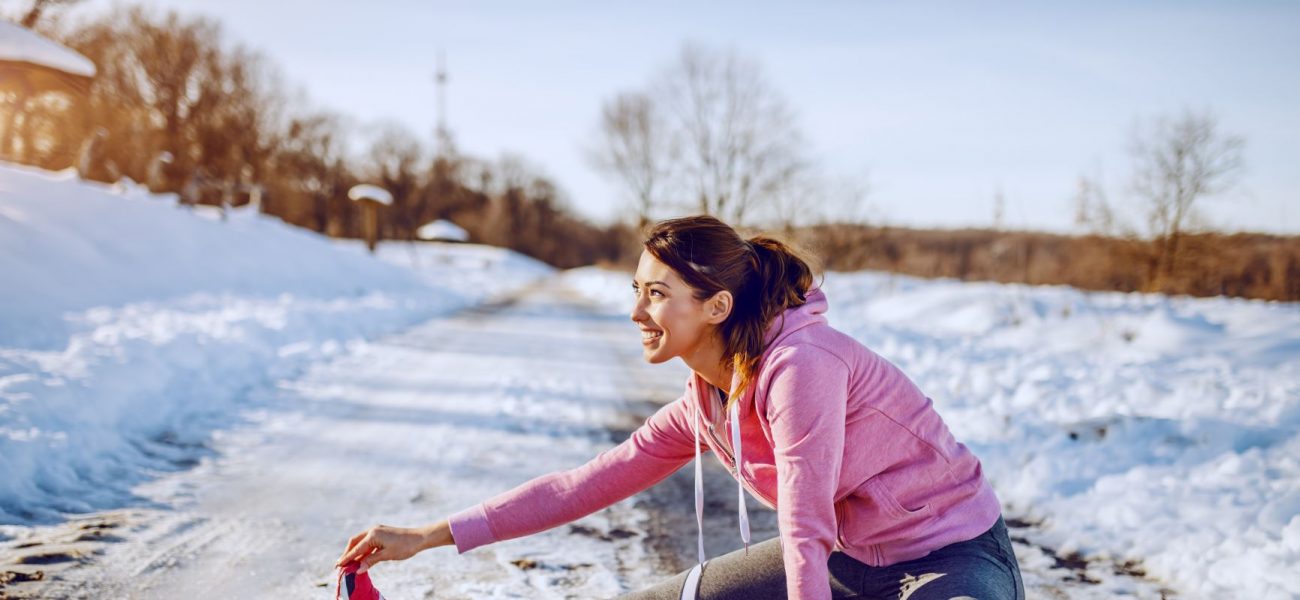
(381, 543)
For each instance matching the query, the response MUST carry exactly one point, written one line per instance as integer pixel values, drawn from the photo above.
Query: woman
(874, 497)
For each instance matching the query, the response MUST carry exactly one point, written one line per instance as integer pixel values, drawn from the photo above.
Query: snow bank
(19, 44)
(1135, 427)
(130, 328)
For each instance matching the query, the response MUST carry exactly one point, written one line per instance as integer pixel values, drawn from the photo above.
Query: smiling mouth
(650, 336)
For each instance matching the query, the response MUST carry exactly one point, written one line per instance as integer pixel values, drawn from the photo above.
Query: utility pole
(444, 136)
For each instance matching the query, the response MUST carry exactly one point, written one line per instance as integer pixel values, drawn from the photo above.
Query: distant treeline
(1209, 264)
(178, 107)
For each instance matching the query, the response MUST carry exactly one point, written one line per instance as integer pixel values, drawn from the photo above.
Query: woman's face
(673, 323)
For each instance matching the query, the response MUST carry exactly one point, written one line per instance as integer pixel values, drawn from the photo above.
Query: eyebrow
(654, 282)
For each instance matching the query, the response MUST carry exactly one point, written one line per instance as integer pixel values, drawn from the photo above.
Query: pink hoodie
(838, 440)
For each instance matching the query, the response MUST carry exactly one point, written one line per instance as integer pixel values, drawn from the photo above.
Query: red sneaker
(354, 585)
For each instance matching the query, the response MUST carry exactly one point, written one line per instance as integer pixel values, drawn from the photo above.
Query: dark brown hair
(764, 275)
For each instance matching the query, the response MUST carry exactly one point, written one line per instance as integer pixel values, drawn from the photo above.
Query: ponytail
(783, 276)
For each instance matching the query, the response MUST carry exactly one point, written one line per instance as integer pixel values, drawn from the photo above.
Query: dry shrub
(1208, 264)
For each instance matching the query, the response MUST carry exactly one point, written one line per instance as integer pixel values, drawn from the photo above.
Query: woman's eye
(636, 291)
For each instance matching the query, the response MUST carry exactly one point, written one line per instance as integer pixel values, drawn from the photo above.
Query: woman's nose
(638, 312)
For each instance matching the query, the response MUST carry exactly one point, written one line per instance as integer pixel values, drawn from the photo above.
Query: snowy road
(408, 429)
(402, 431)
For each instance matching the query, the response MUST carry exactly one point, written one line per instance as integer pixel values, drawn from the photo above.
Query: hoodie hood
(812, 312)
(793, 319)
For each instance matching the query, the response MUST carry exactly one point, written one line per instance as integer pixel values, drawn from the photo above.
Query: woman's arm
(806, 403)
(654, 451)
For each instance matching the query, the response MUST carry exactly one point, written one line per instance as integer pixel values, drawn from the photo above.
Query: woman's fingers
(381, 543)
(360, 545)
(359, 553)
(370, 560)
(352, 542)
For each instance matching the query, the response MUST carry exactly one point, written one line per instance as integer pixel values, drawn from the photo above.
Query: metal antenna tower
(444, 136)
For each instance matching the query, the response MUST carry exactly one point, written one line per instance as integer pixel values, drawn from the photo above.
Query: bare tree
(1179, 161)
(842, 198)
(311, 174)
(32, 16)
(1092, 209)
(740, 146)
(396, 160)
(730, 146)
(635, 148)
(168, 83)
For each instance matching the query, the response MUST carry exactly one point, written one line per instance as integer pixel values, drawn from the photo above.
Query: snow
(366, 191)
(19, 44)
(1130, 427)
(442, 229)
(130, 328)
(239, 372)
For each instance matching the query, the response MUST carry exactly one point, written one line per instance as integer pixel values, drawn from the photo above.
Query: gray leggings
(983, 568)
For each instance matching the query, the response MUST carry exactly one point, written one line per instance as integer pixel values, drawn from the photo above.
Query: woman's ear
(719, 307)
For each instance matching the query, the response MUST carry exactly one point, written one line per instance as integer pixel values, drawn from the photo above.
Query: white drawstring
(691, 586)
(740, 486)
(699, 488)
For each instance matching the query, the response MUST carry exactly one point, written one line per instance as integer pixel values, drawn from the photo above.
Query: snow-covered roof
(375, 193)
(21, 45)
(442, 229)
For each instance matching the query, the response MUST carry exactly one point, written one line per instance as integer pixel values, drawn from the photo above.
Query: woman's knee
(758, 573)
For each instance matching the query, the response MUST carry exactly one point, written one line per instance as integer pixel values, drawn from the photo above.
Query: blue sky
(938, 105)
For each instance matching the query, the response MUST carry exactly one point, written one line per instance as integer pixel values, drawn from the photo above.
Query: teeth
(650, 335)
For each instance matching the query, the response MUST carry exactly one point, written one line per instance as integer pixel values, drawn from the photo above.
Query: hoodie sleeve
(654, 451)
(805, 408)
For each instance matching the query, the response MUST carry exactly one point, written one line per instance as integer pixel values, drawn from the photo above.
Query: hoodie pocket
(885, 499)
